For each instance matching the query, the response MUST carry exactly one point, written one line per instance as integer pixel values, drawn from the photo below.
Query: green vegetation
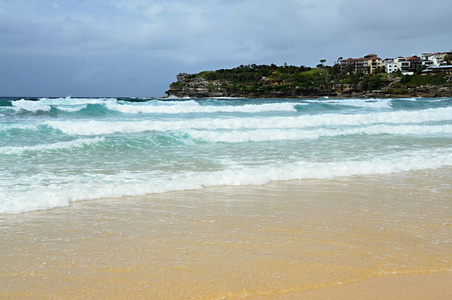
(371, 82)
(417, 80)
(448, 59)
(254, 73)
(264, 77)
(293, 79)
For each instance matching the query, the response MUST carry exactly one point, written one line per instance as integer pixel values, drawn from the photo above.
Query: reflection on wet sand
(232, 242)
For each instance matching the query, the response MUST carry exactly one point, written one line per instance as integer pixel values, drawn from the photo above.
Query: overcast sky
(137, 47)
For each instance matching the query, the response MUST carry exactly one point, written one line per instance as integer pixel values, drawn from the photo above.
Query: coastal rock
(195, 86)
(188, 85)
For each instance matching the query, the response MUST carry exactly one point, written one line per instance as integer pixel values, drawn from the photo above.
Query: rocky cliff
(188, 85)
(197, 86)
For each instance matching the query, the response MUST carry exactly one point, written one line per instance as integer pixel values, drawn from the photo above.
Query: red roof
(360, 59)
(354, 59)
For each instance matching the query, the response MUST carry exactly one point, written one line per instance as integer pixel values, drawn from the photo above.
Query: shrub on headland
(287, 80)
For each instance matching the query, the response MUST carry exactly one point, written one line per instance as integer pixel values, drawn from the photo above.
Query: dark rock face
(188, 85)
(198, 87)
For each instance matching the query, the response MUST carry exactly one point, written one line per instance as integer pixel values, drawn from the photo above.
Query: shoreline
(349, 96)
(235, 242)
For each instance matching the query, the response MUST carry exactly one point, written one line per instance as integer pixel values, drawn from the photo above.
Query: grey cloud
(105, 45)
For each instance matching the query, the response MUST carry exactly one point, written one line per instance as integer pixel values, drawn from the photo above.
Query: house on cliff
(438, 69)
(407, 65)
(396, 64)
(367, 64)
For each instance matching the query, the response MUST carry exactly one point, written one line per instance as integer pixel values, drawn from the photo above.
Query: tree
(336, 69)
(448, 59)
(347, 70)
(323, 61)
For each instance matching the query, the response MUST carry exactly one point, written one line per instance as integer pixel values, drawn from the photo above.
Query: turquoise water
(57, 150)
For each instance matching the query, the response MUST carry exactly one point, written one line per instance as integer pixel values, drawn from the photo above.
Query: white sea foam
(34, 192)
(92, 127)
(66, 104)
(72, 108)
(260, 135)
(12, 126)
(364, 103)
(33, 106)
(49, 147)
(68, 101)
(194, 107)
(162, 107)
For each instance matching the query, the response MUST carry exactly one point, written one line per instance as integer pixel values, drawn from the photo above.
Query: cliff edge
(303, 82)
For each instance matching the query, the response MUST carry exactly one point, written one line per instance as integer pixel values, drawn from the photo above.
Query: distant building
(438, 69)
(436, 58)
(415, 62)
(397, 64)
(366, 64)
(427, 63)
(373, 62)
(390, 65)
(425, 56)
(356, 64)
(407, 65)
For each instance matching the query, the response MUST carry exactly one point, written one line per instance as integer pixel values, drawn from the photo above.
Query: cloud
(191, 31)
(385, 19)
(106, 36)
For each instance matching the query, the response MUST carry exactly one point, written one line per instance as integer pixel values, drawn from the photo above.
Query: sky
(135, 48)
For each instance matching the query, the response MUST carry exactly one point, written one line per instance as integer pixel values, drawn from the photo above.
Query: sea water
(220, 198)
(54, 151)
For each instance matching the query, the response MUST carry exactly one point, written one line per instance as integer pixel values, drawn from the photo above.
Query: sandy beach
(373, 237)
(392, 287)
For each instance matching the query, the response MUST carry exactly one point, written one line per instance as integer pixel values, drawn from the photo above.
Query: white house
(427, 63)
(436, 58)
(390, 65)
(398, 63)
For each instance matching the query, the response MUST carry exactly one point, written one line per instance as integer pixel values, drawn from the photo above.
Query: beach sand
(376, 237)
(395, 287)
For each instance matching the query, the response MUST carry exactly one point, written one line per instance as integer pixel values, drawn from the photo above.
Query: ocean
(55, 151)
(153, 198)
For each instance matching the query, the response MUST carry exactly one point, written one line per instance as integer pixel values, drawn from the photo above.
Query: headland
(302, 82)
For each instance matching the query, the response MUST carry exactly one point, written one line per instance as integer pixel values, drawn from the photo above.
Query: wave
(147, 106)
(194, 107)
(78, 143)
(17, 126)
(20, 198)
(64, 104)
(94, 127)
(363, 103)
(156, 106)
(260, 135)
(196, 136)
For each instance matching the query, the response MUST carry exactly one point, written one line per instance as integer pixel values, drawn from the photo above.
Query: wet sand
(366, 236)
(395, 287)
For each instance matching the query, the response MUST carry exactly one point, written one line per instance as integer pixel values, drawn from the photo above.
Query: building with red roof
(366, 64)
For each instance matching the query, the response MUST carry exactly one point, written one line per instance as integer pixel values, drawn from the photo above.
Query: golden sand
(392, 287)
(235, 242)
